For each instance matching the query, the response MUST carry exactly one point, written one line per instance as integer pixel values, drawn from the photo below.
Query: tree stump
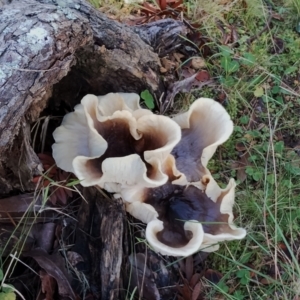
(52, 53)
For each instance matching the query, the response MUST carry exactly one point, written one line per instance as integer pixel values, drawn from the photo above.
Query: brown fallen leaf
(44, 234)
(278, 46)
(203, 76)
(143, 278)
(178, 56)
(240, 147)
(187, 72)
(200, 41)
(233, 34)
(184, 86)
(195, 279)
(74, 258)
(12, 209)
(213, 276)
(221, 97)
(167, 63)
(242, 165)
(277, 16)
(162, 9)
(48, 285)
(54, 266)
(197, 291)
(185, 290)
(266, 281)
(163, 70)
(57, 193)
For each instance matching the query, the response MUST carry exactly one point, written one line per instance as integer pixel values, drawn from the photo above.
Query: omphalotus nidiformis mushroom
(111, 142)
(157, 164)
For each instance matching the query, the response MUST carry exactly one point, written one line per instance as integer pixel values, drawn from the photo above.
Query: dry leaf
(48, 285)
(56, 194)
(167, 63)
(233, 34)
(277, 16)
(54, 265)
(197, 290)
(185, 86)
(203, 76)
(185, 290)
(240, 147)
(221, 97)
(278, 46)
(74, 258)
(241, 168)
(198, 63)
(213, 276)
(178, 56)
(142, 277)
(266, 281)
(194, 280)
(12, 209)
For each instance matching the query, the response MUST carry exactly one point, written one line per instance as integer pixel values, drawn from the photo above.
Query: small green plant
(244, 276)
(228, 64)
(148, 99)
(7, 292)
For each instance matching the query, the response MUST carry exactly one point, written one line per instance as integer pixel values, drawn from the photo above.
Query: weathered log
(164, 36)
(57, 51)
(99, 240)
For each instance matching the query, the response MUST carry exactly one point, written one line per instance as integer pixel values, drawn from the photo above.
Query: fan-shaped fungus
(157, 164)
(111, 142)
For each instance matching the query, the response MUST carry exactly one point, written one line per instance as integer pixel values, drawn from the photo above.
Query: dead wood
(164, 36)
(99, 240)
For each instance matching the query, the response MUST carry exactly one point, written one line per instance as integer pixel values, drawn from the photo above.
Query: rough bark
(164, 35)
(55, 51)
(99, 240)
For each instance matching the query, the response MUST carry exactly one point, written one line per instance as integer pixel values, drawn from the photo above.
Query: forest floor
(247, 58)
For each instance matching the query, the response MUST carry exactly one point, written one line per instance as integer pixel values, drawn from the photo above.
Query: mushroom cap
(142, 211)
(205, 126)
(111, 142)
(156, 226)
(157, 164)
(229, 231)
(169, 208)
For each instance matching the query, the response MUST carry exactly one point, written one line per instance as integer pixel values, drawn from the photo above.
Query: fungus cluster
(157, 164)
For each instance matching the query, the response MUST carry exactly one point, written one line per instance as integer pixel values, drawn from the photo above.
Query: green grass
(262, 85)
(263, 99)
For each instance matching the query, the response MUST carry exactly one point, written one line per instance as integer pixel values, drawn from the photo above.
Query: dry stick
(271, 145)
(11, 219)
